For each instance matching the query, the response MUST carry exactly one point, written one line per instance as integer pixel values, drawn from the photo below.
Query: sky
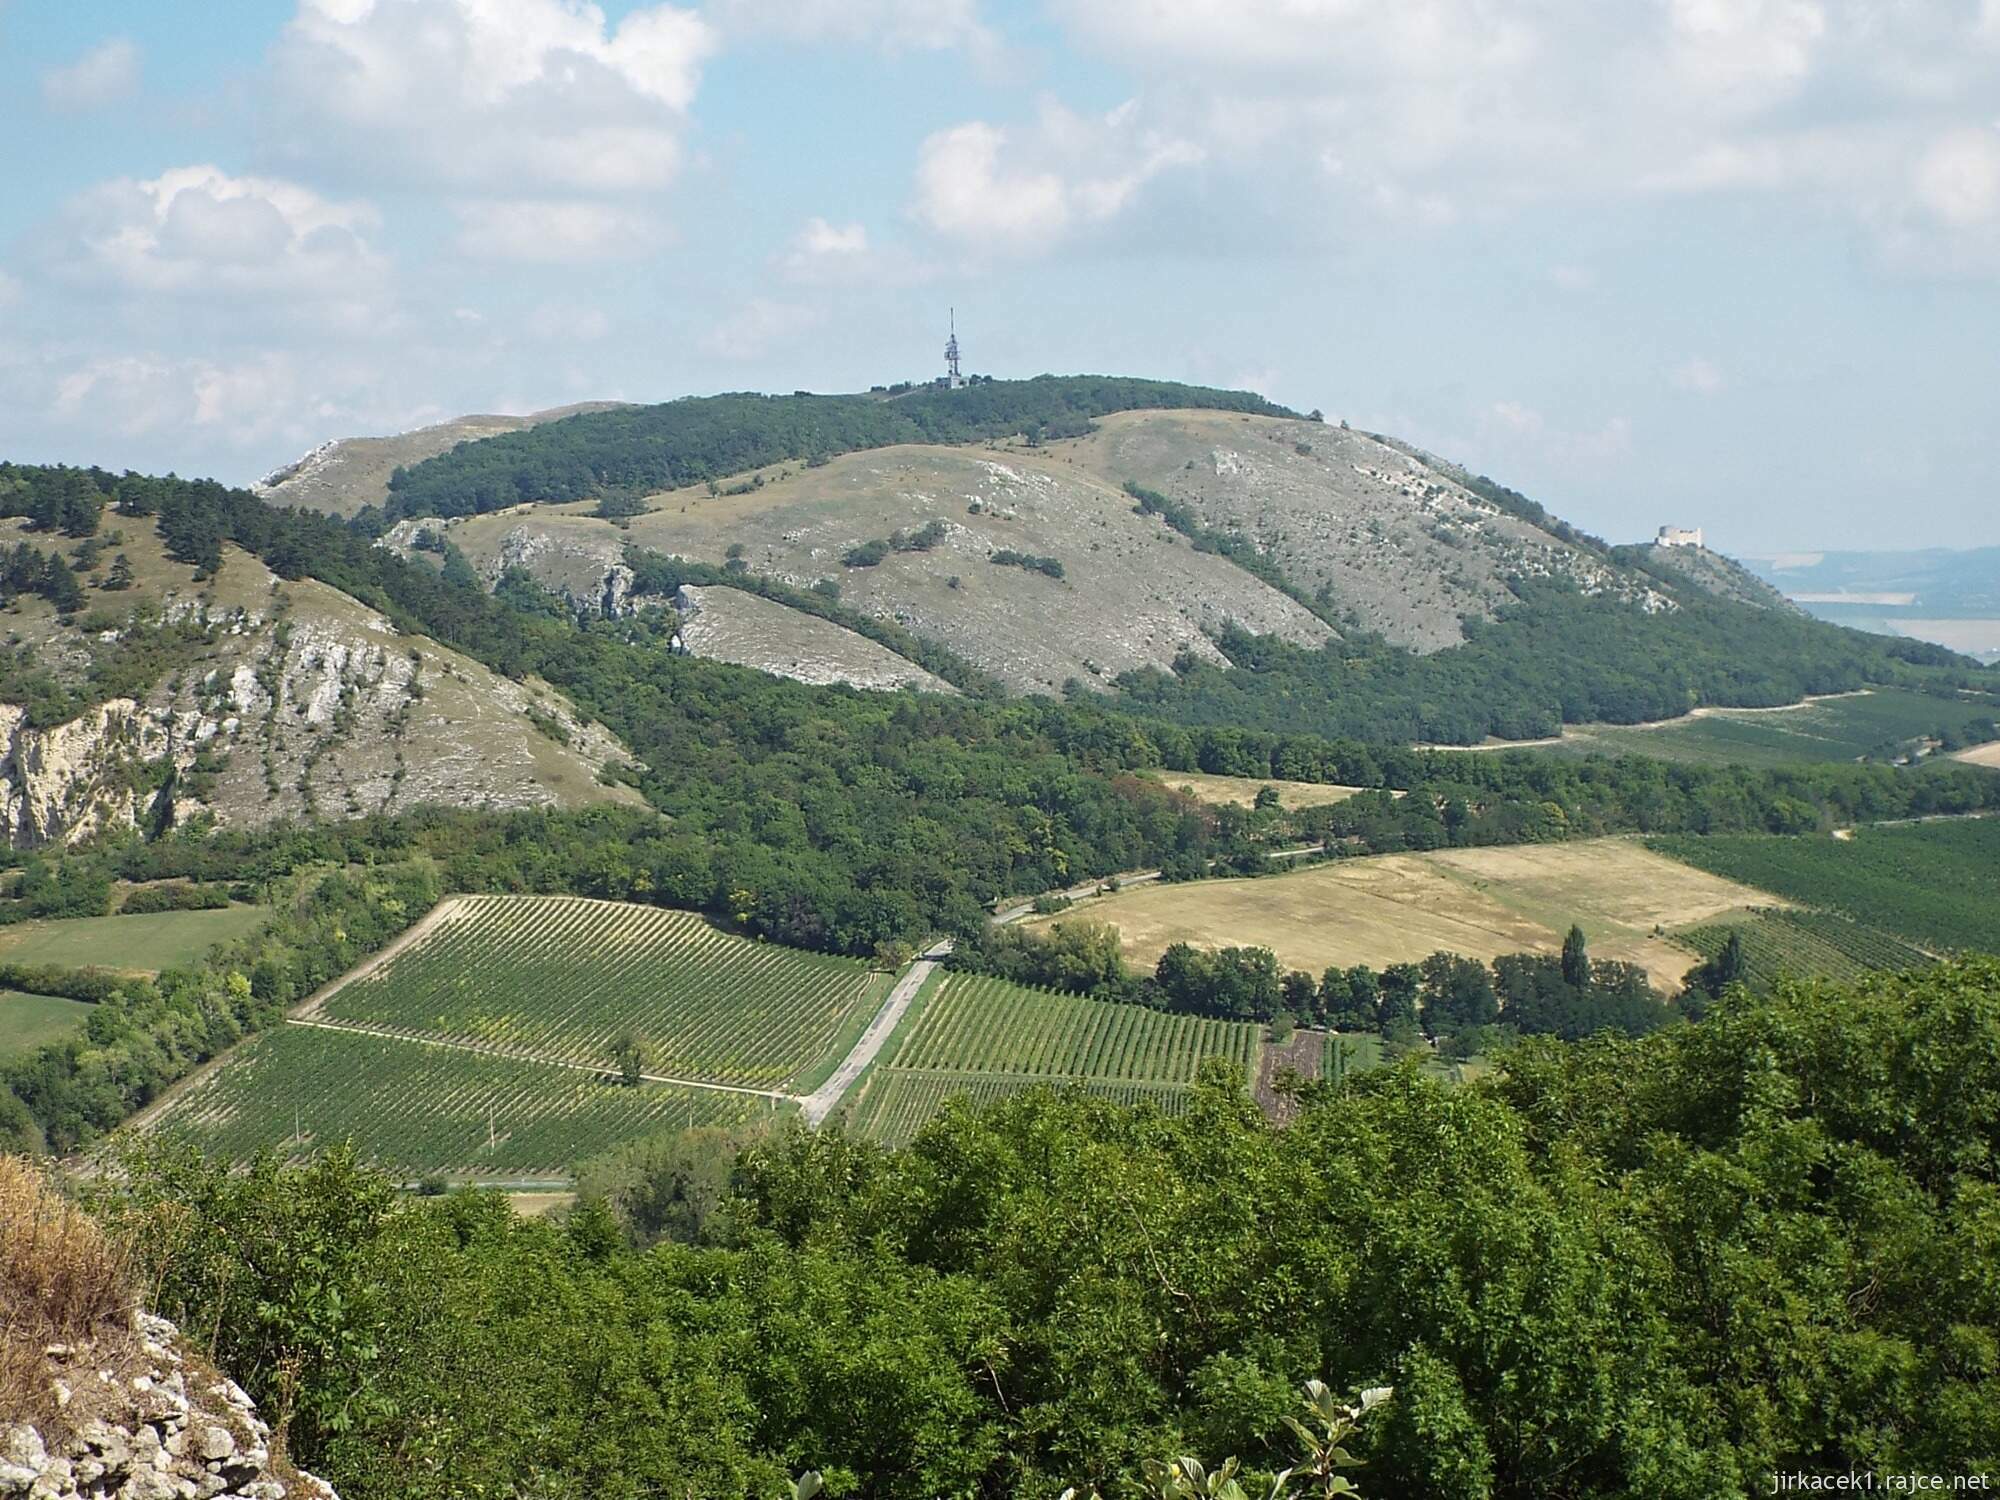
(1721, 263)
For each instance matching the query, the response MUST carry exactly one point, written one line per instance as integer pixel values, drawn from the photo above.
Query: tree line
(1445, 996)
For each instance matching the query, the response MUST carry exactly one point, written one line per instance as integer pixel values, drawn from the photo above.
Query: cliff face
(72, 780)
(138, 1416)
(270, 700)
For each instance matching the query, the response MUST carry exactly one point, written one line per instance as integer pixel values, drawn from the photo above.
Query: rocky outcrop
(734, 625)
(71, 780)
(315, 705)
(142, 1417)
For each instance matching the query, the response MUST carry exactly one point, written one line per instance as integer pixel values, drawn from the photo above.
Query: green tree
(1575, 959)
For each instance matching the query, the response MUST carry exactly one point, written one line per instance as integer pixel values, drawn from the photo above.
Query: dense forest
(1554, 656)
(644, 448)
(1669, 1266)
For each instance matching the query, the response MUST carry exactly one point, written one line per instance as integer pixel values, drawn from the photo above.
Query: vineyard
(413, 1109)
(1935, 885)
(1805, 945)
(985, 1038)
(1882, 723)
(566, 980)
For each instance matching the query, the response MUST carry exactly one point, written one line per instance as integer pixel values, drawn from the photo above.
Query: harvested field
(1981, 755)
(1481, 903)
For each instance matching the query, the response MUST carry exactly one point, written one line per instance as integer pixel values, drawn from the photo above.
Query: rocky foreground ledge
(142, 1417)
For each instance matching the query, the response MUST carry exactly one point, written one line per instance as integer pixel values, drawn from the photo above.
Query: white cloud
(893, 25)
(1021, 192)
(1515, 430)
(475, 95)
(1697, 376)
(137, 395)
(545, 125)
(197, 231)
(105, 74)
(1958, 178)
(555, 231)
(820, 238)
(1427, 113)
(759, 326)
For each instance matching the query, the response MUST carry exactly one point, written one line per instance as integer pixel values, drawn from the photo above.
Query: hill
(348, 474)
(1951, 597)
(171, 692)
(1138, 539)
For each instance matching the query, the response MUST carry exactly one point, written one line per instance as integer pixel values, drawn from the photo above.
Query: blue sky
(1732, 263)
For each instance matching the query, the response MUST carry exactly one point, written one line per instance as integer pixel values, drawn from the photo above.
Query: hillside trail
(1707, 711)
(451, 909)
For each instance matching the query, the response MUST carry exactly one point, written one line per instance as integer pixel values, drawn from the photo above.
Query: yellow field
(1399, 908)
(1981, 755)
(1242, 790)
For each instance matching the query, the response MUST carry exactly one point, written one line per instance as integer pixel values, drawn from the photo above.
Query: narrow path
(820, 1103)
(522, 1054)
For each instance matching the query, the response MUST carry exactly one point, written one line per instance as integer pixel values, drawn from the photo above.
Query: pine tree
(121, 573)
(60, 588)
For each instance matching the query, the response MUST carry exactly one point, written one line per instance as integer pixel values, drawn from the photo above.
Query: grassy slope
(146, 943)
(31, 1021)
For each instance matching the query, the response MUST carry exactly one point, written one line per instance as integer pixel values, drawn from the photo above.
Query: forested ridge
(1670, 1266)
(643, 448)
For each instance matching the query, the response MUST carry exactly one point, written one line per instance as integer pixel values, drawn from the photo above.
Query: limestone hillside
(251, 699)
(1380, 538)
(1720, 575)
(342, 476)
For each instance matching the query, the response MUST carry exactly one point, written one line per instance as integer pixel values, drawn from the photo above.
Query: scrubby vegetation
(1667, 1266)
(1555, 656)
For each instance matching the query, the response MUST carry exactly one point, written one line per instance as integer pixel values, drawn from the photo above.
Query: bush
(866, 555)
(1008, 558)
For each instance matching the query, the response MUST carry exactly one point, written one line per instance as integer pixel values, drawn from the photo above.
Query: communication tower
(952, 378)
